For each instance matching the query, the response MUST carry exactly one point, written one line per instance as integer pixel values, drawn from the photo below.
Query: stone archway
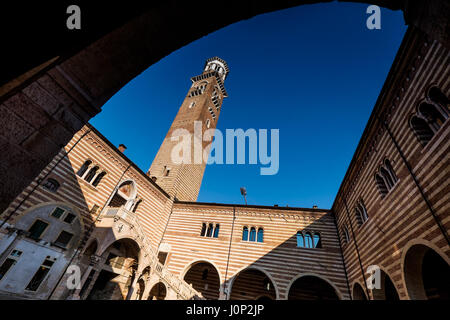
(426, 274)
(253, 284)
(205, 278)
(117, 271)
(311, 287)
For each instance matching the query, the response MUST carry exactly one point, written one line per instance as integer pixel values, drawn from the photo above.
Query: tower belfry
(201, 107)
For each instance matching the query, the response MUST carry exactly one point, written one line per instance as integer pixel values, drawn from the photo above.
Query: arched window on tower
(432, 115)
(252, 234)
(437, 96)
(98, 178)
(361, 213)
(300, 240)
(244, 234)
(391, 171)
(260, 235)
(91, 174)
(84, 167)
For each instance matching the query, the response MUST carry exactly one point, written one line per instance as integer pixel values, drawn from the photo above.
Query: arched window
(244, 234)
(381, 185)
(317, 240)
(84, 167)
(391, 171)
(216, 231)
(387, 178)
(260, 235)
(434, 118)
(300, 240)
(308, 240)
(208, 123)
(51, 185)
(252, 234)
(438, 97)
(203, 232)
(137, 205)
(210, 230)
(361, 213)
(98, 178)
(421, 129)
(91, 174)
(346, 235)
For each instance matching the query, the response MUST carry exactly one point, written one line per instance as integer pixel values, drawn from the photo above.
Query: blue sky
(314, 72)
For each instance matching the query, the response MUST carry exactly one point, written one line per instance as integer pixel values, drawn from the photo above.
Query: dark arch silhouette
(427, 274)
(311, 288)
(158, 292)
(387, 290)
(358, 292)
(252, 284)
(205, 279)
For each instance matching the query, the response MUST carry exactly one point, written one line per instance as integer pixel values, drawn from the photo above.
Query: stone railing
(182, 288)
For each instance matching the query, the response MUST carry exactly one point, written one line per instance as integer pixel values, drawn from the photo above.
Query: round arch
(358, 292)
(388, 290)
(336, 290)
(256, 268)
(195, 261)
(415, 264)
(204, 276)
(158, 292)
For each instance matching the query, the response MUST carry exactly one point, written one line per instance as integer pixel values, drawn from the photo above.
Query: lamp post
(244, 193)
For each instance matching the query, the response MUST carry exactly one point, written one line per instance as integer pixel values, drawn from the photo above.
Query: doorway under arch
(311, 287)
(204, 278)
(253, 284)
(427, 274)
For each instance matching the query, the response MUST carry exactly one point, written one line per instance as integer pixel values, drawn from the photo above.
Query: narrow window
(391, 171)
(252, 234)
(216, 231)
(300, 240)
(387, 178)
(317, 240)
(346, 235)
(434, 118)
(208, 123)
(245, 234)
(203, 232)
(192, 104)
(91, 174)
(69, 218)
(84, 167)
(51, 185)
(9, 262)
(63, 239)
(260, 235)
(381, 185)
(58, 212)
(39, 275)
(421, 129)
(210, 230)
(37, 229)
(308, 240)
(98, 179)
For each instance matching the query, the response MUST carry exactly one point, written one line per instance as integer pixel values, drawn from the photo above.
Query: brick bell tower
(202, 104)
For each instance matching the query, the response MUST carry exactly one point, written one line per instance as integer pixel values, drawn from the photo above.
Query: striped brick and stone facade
(140, 235)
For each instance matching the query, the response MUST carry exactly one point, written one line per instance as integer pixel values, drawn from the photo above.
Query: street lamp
(244, 193)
